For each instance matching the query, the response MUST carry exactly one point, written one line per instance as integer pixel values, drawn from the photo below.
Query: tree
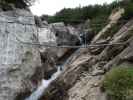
(7, 4)
(80, 14)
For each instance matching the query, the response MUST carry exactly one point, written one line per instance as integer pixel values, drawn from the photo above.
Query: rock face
(114, 17)
(56, 34)
(46, 35)
(18, 60)
(66, 35)
(85, 68)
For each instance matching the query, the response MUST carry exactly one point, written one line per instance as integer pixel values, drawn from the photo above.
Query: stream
(44, 84)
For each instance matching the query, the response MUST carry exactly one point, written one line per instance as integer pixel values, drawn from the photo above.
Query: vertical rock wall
(18, 61)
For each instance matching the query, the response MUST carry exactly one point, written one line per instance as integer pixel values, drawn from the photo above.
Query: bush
(97, 23)
(5, 4)
(128, 11)
(118, 84)
(80, 14)
(115, 28)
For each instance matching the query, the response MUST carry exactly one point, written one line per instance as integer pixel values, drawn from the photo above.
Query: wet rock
(69, 77)
(48, 64)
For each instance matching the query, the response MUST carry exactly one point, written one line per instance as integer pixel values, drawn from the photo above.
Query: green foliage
(67, 16)
(129, 11)
(118, 83)
(128, 6)
(98, 14)
(98, 23)
(6, 4)
(115, 28)
(80, 14)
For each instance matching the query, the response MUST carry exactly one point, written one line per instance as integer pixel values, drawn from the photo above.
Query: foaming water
(44, 84)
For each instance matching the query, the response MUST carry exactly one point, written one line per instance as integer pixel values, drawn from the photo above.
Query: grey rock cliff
(18, 61)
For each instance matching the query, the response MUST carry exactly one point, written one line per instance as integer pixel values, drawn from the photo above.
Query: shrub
(115, 28)
(80, 14)
(128, 6)
(98, 23)
(5, 4)
(128, 11)
(118, 84)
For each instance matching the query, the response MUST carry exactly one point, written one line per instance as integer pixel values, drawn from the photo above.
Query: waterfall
(44, 84)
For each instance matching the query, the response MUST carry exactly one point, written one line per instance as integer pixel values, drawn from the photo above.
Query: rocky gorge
(32, 60)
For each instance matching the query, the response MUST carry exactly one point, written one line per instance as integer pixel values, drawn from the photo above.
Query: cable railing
(85, 45)
(48, 45)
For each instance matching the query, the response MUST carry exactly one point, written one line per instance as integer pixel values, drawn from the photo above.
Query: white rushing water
(44, 84)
